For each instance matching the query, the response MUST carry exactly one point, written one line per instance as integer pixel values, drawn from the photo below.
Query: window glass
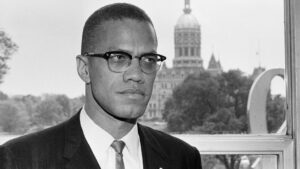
(192, 51)
(235, 51)
(197, 51)
(240, 161)
(234, 43)
(186, 51)
(180, 51)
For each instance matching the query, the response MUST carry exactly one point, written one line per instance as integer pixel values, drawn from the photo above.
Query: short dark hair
(116, 11)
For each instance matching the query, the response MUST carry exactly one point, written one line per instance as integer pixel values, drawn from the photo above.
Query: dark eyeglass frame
(107, 56)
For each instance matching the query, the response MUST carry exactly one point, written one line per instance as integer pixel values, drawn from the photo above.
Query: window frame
(292, 33)
(287, 147)
(280, 145)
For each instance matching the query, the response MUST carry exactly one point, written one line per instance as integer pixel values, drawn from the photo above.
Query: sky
(242, 34)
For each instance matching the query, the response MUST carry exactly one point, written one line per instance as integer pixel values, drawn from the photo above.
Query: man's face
(126, 94)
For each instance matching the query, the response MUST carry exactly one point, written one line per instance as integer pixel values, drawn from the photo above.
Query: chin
(130, 113)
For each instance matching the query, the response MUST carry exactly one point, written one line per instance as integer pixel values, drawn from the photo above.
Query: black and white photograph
(131, 84)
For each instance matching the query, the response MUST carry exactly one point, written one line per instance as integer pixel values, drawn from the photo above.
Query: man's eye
(150, 59)
(118, 57)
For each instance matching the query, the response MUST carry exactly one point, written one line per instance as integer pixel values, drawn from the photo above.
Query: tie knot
(118, 146)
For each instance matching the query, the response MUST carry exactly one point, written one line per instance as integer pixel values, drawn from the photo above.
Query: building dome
(187, 20)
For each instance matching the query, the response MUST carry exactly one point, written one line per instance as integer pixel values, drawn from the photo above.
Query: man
(118, 64)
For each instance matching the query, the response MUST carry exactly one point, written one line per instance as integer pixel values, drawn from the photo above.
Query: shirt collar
(132, 142)
(100, 140)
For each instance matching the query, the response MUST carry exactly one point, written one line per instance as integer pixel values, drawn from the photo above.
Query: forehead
(127, 34)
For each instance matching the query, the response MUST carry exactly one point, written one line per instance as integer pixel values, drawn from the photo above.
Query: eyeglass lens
(119, 62)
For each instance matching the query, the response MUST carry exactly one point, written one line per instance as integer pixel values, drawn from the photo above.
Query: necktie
(118, 147)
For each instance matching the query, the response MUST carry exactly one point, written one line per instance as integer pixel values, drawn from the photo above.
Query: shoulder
(37, 149)
(39, 146)
(167, 141)
(45, 138)
(40, 138)
(180, 153)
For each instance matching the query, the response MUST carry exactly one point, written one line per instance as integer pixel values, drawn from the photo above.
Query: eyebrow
(129, 52)
(119, 49)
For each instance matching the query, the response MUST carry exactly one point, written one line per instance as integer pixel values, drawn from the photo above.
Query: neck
(116, 127)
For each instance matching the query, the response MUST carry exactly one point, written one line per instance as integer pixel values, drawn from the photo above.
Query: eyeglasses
(119, 61)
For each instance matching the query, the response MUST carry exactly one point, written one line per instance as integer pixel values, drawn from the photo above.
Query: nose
(134, 72)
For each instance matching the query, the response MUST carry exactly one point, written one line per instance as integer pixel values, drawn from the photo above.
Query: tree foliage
(12, 117)
(76, 103)
(192, 102)
(48, 112)
(209, 104)
(64, 102)
(3, 96)
(275, 113)
(7, 48)
(29, 113)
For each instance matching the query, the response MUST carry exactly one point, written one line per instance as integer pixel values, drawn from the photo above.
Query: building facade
(187, 60)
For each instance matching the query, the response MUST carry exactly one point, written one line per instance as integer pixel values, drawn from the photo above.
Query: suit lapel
(77, 152)
(153, 155)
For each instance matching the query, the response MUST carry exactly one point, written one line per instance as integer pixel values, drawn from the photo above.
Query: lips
(132, 92)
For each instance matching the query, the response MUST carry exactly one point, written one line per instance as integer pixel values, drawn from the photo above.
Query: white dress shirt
(99, 141)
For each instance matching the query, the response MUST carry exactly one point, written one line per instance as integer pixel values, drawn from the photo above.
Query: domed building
(187, 38)
(187, 60)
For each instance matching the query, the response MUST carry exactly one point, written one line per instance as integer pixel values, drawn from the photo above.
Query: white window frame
(279, 145)
(286, 147)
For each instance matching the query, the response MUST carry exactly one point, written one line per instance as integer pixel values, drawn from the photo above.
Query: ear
(83, 69)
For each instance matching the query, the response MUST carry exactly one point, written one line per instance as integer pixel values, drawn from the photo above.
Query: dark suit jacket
(64, 147)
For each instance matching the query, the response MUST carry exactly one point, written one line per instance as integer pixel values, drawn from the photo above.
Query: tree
(7, 48)
(223, 121)
(192, 102)
(48, 112)
(3, 96)
(275, 113)
(12, 118)
(76, 103)
(64, 101)
(209, 104)
(29, 103)
(235, 87)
